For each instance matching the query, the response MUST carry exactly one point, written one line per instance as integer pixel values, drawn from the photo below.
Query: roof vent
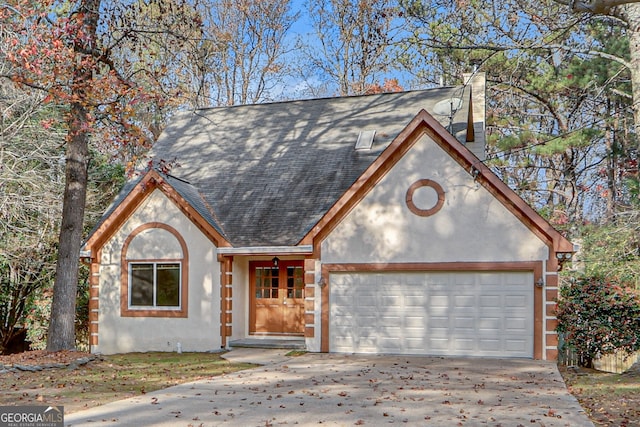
(365, 139)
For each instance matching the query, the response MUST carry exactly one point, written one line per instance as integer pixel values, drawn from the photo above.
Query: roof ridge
(325, 98)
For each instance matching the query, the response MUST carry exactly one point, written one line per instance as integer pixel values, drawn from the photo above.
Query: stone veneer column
(309, 297)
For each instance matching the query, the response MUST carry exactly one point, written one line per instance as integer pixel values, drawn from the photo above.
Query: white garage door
(432, 313)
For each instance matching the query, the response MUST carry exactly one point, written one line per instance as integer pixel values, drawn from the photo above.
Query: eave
(127, 207)
(266, 250)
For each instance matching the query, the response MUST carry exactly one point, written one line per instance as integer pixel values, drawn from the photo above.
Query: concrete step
(286, 343)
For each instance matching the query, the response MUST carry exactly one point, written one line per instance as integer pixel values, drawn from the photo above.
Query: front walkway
(346, 390)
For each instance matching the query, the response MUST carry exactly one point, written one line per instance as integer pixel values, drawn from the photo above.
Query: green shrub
(599, 317)
(37, 320)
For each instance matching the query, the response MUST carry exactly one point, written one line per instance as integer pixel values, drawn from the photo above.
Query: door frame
(282, 287)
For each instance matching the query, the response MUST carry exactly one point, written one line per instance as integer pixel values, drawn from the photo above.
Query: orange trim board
(535, 267)
(226, 298)
(94, 300)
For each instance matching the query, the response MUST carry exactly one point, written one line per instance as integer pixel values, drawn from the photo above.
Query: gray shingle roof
(270, 171)
(195, 199)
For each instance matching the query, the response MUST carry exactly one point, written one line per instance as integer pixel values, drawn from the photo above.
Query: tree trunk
(632, 12)
(61, 334)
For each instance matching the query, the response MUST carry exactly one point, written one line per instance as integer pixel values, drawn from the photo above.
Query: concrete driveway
(347, 390)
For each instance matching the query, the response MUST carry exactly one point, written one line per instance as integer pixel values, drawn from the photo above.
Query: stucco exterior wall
(240, 297)
(471, 226)
(200, 331)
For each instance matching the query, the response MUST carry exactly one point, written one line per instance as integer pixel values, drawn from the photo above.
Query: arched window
(154, 273)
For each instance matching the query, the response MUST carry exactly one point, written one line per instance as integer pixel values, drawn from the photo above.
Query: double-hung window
(155, 285)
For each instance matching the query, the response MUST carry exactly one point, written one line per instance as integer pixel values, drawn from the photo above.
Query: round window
(425, 197)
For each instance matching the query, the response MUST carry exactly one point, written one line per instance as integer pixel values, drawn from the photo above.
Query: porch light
(275, 261)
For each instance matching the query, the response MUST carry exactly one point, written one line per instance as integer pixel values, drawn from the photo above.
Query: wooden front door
(277, 297)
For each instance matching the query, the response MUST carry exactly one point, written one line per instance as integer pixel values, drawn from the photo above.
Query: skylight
(365, 139)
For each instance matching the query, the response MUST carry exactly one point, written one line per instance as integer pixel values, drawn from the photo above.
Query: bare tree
(354, 39)
(241, 58)
(31, 183)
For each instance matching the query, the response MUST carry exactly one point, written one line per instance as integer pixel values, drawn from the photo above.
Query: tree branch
(493, 48)
(598, 7)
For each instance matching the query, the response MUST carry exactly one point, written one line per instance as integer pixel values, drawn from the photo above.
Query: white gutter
(267, 250)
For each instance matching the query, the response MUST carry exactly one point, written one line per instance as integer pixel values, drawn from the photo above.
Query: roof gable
(423, 124)
(135, 192)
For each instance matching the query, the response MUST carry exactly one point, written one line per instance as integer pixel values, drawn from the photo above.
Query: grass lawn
(109, 378)
(609, 399)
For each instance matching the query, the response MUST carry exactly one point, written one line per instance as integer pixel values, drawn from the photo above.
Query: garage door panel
(465, 301)
(490, 346)
(391, 322)
(516, 344)
(491, 324)
(463, 345)
(414, 302)
(464, 323)
(413, 334)
(415, 321)
(388, 343)
(513, 301)
(436, 301)
(367, 321)
(435, 323)
(492, 301)
(389, 301)
(367, 301)
(516, 324)
(439, 345)
(414, 345)
(441, 313)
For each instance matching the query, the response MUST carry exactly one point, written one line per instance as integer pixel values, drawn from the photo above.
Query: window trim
(155, 263)
(125, 309)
